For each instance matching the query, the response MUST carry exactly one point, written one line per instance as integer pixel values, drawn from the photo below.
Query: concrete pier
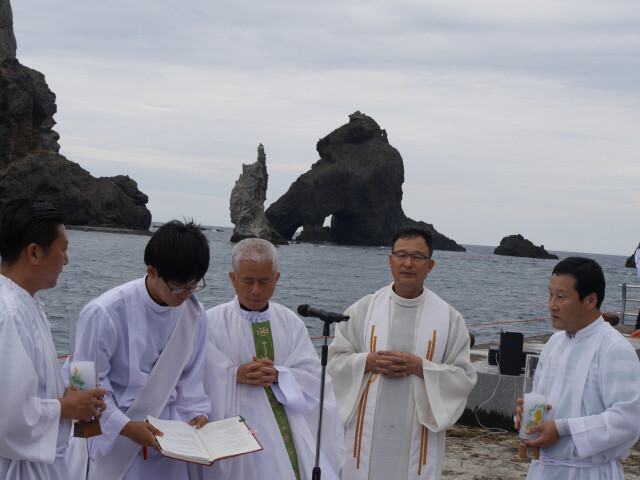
(492, 401)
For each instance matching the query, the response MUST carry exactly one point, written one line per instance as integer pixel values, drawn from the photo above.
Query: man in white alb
(261, 365)
(151, 335)
(401, 371)
(589, 375)
(36, 408)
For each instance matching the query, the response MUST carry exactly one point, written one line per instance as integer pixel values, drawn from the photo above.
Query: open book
(215, 441)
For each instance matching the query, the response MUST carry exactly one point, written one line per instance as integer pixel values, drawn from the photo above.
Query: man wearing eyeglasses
(401, 371)
(150, 335)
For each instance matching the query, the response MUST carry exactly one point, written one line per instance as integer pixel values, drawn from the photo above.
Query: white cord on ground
(495, 429)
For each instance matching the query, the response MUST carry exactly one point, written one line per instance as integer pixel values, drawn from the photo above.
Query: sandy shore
(471, 456)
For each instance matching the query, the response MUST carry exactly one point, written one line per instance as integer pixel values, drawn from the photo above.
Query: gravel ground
(471, 456)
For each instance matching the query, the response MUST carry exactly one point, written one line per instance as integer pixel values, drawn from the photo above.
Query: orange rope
(476, 325)
(514, 321)
(537, 319)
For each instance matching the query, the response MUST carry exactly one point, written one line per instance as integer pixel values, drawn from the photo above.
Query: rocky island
(358, 182)
(247, 203)
(30, 162)
(518, 246)
(631, 261)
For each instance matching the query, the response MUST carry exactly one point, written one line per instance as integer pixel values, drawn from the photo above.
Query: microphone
(308, 311)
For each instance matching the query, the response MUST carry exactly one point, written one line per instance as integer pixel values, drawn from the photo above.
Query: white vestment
(132, 330)
(592, 380)
(231, 345)
(33, 439)
(396, 426)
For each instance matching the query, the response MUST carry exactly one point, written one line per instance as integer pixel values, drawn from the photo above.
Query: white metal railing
(624, 300)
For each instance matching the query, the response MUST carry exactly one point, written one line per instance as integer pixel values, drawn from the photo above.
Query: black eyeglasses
(178, 291)
(416, 257)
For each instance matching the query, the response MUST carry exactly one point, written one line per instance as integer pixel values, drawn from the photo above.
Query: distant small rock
(247, 203)
(126, 231)
(631, 261)
(518, 246)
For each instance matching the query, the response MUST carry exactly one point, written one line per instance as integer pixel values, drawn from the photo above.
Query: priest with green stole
(261, 365)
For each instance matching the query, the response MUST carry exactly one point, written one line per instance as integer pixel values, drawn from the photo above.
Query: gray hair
(255, 249)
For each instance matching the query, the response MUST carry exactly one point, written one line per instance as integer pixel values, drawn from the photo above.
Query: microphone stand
(325, 349)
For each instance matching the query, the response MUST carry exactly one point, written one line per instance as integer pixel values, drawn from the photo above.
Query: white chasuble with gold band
(430, 344)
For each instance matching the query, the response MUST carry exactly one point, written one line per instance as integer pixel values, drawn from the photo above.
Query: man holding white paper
(261, 365)
(36, 408)
(151, 335)
(588, 374)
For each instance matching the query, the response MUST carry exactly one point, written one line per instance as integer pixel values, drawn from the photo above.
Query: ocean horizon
(486, 289)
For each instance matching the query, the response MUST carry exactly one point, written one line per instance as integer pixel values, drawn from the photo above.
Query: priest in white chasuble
(261, 365)
(401, 371)
(35, 422)
(589, 375)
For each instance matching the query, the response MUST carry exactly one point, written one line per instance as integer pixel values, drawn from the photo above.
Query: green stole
(264, 349)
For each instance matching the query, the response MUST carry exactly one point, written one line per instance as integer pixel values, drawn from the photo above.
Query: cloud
(508, 115)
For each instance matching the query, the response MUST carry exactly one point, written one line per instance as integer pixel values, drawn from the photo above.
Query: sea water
(485, 288)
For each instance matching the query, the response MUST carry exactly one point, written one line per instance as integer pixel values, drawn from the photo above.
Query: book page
(179, 439)
(228, 437)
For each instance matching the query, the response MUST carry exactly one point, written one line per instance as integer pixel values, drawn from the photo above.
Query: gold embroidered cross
(262, 331)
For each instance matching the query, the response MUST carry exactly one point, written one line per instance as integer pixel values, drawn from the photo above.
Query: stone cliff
(7, 38)
(30, 165)
(358, 182)
(247, 203)
(518, 246)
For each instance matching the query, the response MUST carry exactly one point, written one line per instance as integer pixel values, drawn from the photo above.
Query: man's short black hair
(412, 232)
(179, 252)
(25, 221)
(587, 274)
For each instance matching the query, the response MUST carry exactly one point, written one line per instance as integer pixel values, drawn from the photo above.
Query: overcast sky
(511, 117)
